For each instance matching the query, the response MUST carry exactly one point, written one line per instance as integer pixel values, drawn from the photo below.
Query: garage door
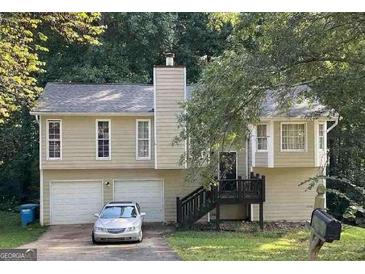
(148, 193)
(75, 202)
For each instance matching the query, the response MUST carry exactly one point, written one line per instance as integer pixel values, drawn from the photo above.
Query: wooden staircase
(198, 203)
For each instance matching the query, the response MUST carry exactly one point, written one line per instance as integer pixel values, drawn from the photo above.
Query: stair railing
(195, 205)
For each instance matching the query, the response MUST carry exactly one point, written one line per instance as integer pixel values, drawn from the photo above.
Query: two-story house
(105, 142)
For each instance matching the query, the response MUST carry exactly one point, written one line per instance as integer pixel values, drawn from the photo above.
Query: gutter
(93, 113)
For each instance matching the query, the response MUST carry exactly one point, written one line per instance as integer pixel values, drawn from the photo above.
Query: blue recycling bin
(28, 213)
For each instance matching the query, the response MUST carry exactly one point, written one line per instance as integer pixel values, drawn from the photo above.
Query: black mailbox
(325, 226)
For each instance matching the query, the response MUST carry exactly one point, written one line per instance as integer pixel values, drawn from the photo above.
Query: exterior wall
(174, 185)
(249, 150)
(294, 159)
(274, 157)
(169, 92)
(241, 163)
(261, 159)
(285, 200)
(79, 143)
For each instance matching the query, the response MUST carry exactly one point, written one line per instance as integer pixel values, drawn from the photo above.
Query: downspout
(333, 126)
(38, 119)
(325, 168)
(247, 157)
(327, 131)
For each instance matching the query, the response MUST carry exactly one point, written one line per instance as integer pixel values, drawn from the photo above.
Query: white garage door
(75, 202)
(148, 193)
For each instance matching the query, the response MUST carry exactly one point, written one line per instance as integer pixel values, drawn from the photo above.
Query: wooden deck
(198, 203)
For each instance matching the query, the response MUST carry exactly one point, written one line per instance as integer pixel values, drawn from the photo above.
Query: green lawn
(12, 234)
(261, 246)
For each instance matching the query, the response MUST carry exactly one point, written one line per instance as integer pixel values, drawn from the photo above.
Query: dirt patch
(243, 226)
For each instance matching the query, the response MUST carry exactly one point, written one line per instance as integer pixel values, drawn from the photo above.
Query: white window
(261, 137)
(103, 143)
(293, 136)
(54, 137)
(143, 139)
(321, 136)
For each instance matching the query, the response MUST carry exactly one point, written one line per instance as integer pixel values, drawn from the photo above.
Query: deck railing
(247, 190)
(195, 205)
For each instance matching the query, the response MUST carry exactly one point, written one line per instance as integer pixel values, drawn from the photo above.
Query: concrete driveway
(73, 243)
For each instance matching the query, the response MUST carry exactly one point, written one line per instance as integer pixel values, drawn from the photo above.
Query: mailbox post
(324, 228)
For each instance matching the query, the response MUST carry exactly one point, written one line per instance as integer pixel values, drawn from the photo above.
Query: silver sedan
(118, 221)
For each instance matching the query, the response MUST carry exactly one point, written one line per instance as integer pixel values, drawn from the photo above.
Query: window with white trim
(103, 139)
(261, 137)
(143, 139)
(321, 136)
(54, 139)
(293, 137)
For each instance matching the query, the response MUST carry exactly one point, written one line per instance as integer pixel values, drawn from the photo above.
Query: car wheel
(93, 238)
(140, 237)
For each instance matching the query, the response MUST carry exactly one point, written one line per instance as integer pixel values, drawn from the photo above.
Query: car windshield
(112, 212)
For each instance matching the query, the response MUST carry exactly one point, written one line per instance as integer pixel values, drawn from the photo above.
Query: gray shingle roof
(300, 107)
(134, 98)
(84, 98)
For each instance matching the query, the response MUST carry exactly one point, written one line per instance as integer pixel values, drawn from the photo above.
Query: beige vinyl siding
(169, 92)
(261, 159)
(249, 151)
(285, 200)
(241, 163)
(174, 185)
(79, 143)
(294, 159)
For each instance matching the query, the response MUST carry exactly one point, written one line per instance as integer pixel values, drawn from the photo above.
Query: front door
(228, 170)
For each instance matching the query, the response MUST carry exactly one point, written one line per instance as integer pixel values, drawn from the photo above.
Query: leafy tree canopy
(132, 44)
(22, 38)
(274, 51)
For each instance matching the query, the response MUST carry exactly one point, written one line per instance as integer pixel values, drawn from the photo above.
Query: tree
(21, 41)
(22, 38)
(19, 172)
(196, 38)
(132, 44)
(277, 52)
